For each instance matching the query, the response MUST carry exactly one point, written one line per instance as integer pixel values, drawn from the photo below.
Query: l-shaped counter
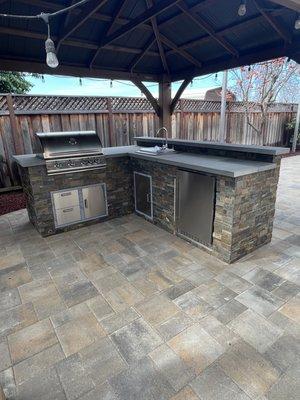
(242, 179)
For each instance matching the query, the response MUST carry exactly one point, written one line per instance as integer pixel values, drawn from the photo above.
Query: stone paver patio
(125, 311)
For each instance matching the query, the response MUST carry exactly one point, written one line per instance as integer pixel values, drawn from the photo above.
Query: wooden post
(18, 143)
(165, 105)
(111, 132)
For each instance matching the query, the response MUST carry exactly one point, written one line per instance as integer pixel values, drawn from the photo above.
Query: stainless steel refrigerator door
(195, 206)
(143, 194)
(94, 201)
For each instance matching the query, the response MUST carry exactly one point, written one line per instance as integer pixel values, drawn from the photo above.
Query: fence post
(181, 116)
(17, 140)
(111, 132)
(295, 138)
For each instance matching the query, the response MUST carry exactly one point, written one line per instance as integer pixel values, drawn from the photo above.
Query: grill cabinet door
(66, 198)
(143, 194)
(94, 201)
(67, 215)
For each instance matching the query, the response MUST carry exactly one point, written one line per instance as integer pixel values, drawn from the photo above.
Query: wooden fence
(118, 119)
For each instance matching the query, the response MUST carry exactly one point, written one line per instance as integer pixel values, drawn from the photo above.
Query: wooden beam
(198, 20)
(138, 21)
(276, 25)
(177, 49)
(40, 67)
(178, 94)
(253, 55)
(109, 27)
(157, 37)
(148, 95)
(86, 12)
(73, 43)
(145, 50)
(292, 4)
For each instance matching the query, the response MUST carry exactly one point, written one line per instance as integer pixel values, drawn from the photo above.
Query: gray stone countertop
(216, 165)
(245, 148)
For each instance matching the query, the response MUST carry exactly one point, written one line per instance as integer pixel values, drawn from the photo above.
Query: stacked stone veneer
(38, 185)
(244, 207)
(163, 187)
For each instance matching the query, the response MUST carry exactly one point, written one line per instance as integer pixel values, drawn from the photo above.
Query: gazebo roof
(147, 39)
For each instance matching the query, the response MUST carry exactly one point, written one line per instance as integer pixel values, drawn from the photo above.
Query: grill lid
(66, 144)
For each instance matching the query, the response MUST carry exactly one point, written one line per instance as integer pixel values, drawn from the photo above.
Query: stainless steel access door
(195, 206)
(143, 194)
(94, 201)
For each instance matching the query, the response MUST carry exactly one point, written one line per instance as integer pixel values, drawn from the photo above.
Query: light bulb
(297, 23)
(51, 58)
(242, 9)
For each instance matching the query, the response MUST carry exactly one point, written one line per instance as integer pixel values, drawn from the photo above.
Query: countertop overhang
(216, 165)
(244, 148)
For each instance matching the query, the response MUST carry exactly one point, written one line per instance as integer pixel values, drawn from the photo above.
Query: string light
(297, 22)
(242, 8)
(216, 76)
(51, 57)
(191, 83)
(43, 79)
(111, 84)
(80, 81)
(249, 68)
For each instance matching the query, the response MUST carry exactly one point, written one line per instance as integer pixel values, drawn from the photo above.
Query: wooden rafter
(231, 28)
(138, 21)
(66, 18)
(47, 5)
(157, 37)
(148, 95)
(252, 55)
(144, 51)
(86, 12)
(108, 30)
(72, 43)
(183, 53)
(198, 20)
(179, 92)
(292, 4)
(276, 25)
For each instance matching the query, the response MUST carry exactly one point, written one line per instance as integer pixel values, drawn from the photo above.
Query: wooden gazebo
(147, 40)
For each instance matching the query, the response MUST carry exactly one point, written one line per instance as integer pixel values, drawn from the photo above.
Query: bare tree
(262, 84)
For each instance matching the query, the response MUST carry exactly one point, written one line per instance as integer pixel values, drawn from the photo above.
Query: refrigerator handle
(86, 203)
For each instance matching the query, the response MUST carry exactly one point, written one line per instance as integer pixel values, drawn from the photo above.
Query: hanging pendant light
(297, 23)
(51, 57)
(242, 8)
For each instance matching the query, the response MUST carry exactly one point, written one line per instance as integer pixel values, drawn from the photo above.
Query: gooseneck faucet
(163, 128)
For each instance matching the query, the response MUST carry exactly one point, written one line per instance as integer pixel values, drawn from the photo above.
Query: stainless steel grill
(67, 152)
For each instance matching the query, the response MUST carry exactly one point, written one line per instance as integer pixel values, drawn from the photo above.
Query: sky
(61, 85)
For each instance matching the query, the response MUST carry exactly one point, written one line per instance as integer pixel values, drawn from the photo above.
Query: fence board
(117, 120)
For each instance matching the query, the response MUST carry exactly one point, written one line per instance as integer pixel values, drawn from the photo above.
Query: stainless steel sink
(155, 151)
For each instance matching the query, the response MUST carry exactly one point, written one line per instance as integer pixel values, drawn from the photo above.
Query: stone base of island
(244, 191)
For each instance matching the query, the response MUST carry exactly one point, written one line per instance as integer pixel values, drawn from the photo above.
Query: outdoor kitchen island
(219, 196)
